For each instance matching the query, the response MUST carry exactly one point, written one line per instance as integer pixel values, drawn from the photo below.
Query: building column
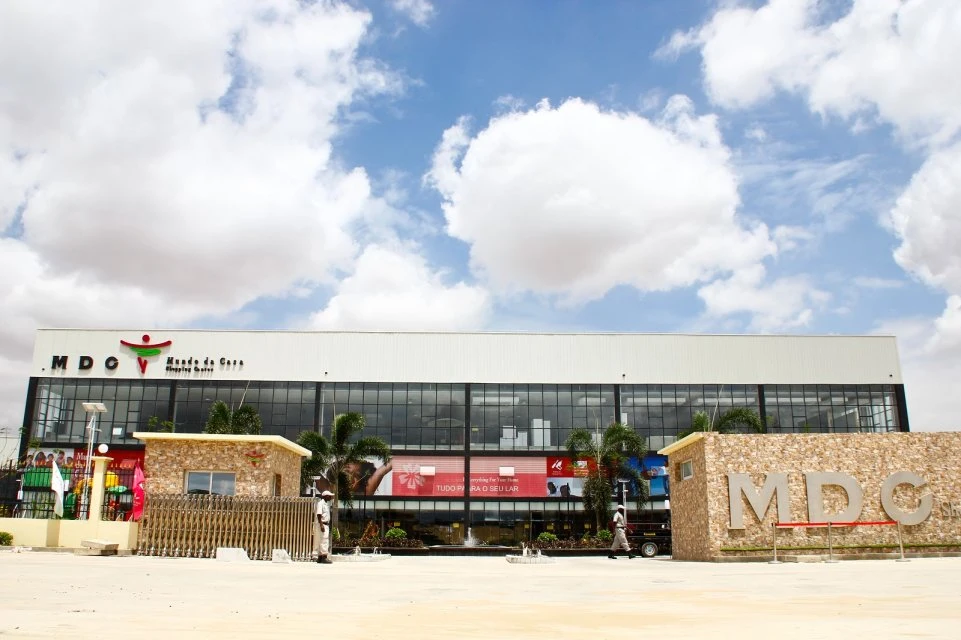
(96, 491)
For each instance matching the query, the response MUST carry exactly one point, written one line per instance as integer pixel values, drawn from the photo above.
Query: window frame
(210, 481)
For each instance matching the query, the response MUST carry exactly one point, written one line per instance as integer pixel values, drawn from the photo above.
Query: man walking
(620, 534)
(322, 529)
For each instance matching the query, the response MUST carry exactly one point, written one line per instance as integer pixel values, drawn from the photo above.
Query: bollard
(775, 560)
(901, 545)
(830, 546)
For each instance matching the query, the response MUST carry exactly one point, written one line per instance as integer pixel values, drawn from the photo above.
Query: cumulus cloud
(891, 60)
(887, 61)
(927, 218)
(394, 288)
(594, 199)
(784, 303)
(930, 368)
(171, 162)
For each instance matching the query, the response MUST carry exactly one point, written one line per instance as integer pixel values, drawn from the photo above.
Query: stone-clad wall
(689, 523)
(166, 462)
(869, 458)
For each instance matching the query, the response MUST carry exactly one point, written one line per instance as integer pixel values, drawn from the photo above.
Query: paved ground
(57, 595)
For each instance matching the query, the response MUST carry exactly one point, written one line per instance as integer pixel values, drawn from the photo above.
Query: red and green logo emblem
(145, 350)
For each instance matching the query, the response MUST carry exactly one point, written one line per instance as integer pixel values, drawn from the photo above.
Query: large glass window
(406, 415)
(660, 412)
(507, 417)
(830, 408)
(285, 408)
(59, 415)
(217, 483)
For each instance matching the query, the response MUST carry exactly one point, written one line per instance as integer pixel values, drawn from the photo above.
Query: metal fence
(25, 492)
(181, 525)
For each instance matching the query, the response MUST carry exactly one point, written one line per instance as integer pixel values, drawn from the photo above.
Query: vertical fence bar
(774, 530)
(901, 545)
(830, 546)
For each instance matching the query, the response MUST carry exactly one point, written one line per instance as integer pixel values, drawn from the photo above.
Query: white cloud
(593, 199)
(419, 12)
(173, 162)
(927, 218)
(930, 368)
(785, 303)
(893, 60)
(394, 288)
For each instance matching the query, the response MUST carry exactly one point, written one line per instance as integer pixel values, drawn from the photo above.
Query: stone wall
(689, 506)
(166, 462)
(869, 458)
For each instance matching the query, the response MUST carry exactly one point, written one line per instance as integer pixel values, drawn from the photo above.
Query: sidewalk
(56, 595)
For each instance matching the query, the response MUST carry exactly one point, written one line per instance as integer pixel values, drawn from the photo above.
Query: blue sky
(788, 166)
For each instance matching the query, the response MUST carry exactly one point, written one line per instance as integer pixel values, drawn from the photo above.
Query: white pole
(85, 500)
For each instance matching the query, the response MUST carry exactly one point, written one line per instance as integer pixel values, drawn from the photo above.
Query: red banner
(499, 477)
(438, 476)
(563, 467)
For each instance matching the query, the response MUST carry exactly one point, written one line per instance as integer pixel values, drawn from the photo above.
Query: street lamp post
(93, 408)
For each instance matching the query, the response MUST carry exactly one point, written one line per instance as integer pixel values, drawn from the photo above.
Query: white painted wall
(485, 357)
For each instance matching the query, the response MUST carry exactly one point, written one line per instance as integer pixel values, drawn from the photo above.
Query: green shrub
(605, 536)
(546, 536)
(395, 533)
(6, 539)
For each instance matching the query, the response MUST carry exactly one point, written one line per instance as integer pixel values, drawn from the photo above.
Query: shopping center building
(476, 421)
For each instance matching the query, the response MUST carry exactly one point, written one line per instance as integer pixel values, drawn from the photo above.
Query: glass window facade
(830, 408)
(285, 408)
(535, 417)
(455, 430)
(660, 411)
(408, 416)
(456, 417)
(60, 418)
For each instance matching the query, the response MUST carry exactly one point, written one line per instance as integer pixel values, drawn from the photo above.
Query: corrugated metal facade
(477, 357)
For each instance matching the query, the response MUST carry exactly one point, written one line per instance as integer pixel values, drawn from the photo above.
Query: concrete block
(94, 552)
(232, 554)
(100, 545)
(280, 556)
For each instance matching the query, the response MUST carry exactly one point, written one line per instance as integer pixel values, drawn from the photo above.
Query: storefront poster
(565, 476)
(507, 477)
(434, 476)
(653, 468)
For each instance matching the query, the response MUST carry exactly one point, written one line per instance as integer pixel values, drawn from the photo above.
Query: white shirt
(619, 522)
(323, 510)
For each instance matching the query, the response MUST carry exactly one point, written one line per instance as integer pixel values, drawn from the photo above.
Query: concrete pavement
(45, 595)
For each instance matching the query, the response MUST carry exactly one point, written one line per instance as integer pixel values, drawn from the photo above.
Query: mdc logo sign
(143, 351)
(775, 488)
(146, 350)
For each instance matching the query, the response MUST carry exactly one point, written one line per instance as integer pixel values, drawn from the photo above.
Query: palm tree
(731, 421)
(244, 421)
(738, 418)
(611, 451)
(331, 458)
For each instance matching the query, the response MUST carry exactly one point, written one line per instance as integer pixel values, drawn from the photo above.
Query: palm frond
(740, 418)
(369, 447)
(580, 444)
(345, 426)
(219, 419)
(246, 421)
(699, 422)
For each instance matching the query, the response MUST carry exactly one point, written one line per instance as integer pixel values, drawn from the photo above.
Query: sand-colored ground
(65, 596)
